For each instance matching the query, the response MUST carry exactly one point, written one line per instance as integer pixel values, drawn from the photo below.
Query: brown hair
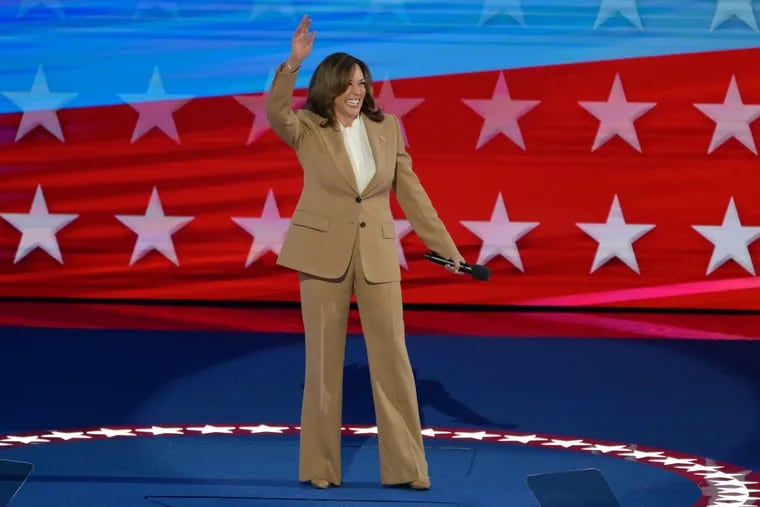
(330, 79)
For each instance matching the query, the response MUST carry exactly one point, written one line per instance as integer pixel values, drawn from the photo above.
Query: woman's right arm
(280, 114)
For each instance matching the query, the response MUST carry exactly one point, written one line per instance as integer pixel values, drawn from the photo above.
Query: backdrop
(601, 153)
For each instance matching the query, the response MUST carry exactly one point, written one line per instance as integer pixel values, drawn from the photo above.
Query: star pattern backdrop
(599, 153)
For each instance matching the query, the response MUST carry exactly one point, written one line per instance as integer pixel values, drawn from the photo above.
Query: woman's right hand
(302, 42)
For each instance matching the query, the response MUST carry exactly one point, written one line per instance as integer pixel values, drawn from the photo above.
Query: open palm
(302, 40)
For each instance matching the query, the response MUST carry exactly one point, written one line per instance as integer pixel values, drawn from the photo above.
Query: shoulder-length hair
(330, 80)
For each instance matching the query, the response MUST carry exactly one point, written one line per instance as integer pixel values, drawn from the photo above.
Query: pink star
(156, 108)
(396, 106)
(732, 119)
(256, 104)
(616, 116)
(501, 113)
(268, 230)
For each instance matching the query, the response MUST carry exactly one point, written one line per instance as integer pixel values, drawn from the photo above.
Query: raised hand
(302, 41)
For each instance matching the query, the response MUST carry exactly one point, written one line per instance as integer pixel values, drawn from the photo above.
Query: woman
(342, 241)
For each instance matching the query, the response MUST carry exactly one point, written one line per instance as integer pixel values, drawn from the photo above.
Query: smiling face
(348, 104)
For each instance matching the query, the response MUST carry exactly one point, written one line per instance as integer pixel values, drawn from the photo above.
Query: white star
(731, 240)
(615, 238)
(154, 230)
(396, 106)
(627, 8)
(616, 116)
(431, 432)
(493, 7)
(668, 461)
(732, 119)
(170, 7)
(742, 9)
(38, 228)
(474, 435)
(499, 235)
(160, 430)
(500, 114)
(402, 227)
(268, 230)
(26, 5)
(365, 431)
(66, 436)
(32, 439)
(604, 449)
(643, 454)
(264, 428)
(111, 433)
(524, 439)
(209, 428)
(567, 444)
(397, 7)
(39, 106)
(701, 468)
(155, 108)
(284, 7)
(256, 104)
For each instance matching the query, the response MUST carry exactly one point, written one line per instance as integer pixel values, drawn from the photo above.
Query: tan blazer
(331, 213)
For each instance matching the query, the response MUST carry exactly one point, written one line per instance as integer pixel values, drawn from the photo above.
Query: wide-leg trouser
(325, 306)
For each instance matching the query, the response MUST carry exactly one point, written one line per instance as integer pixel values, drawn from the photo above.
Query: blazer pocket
(389, 230)
(310, 220)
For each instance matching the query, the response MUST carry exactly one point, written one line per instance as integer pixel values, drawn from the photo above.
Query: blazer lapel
(334, 140)
(379, 145)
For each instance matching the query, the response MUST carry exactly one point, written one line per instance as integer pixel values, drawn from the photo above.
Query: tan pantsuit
(342, 241)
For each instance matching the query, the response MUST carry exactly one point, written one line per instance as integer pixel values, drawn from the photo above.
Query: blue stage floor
(120, 418)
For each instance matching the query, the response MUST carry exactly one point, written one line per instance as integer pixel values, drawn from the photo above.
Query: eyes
(361, 83)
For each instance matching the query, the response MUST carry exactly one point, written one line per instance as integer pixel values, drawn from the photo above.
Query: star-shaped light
(268, 230)
(25, 6)
(113, 432)
(256, 104)
(523, 439)
(68, 435)
(626, 8)
(492, 8)
(604, 449)
(170, 7)
(432, 432)
(566, 444)
(264, 428)
(31, 439)
(499, 235)
(156, 108)
(396, 106)
(731, 240)
(616, 116)
(284, 7)
(209, 429)
(39, 106)
(732, 119)
(160, 430)
(397, 7)
(615, 238)
(402, 227)
(636, 454)
(474, 435)
(364, 431)
(742, 9)
(154, 230)
(500, 114)
(38, 228)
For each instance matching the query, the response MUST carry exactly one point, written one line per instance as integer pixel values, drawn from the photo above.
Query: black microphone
(477, 271)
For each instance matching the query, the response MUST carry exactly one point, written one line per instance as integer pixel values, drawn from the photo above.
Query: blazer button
(363, 224)
(358, 199)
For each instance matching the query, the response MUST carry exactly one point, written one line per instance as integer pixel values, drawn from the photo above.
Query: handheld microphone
(477, 271)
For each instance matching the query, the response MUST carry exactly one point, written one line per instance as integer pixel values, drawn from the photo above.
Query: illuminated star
(732, 119)
(510, 7)
(500, 114)
(615, 238)
(730, 240)
(626, 8)
(155, 108)
(268, 230)
(39, 106)
(154, 230)
(742, 9)
(616, 116)
(396, 106)
(38, 228)
(499, 235)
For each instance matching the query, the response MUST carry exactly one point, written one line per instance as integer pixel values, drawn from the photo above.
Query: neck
(346, 121)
